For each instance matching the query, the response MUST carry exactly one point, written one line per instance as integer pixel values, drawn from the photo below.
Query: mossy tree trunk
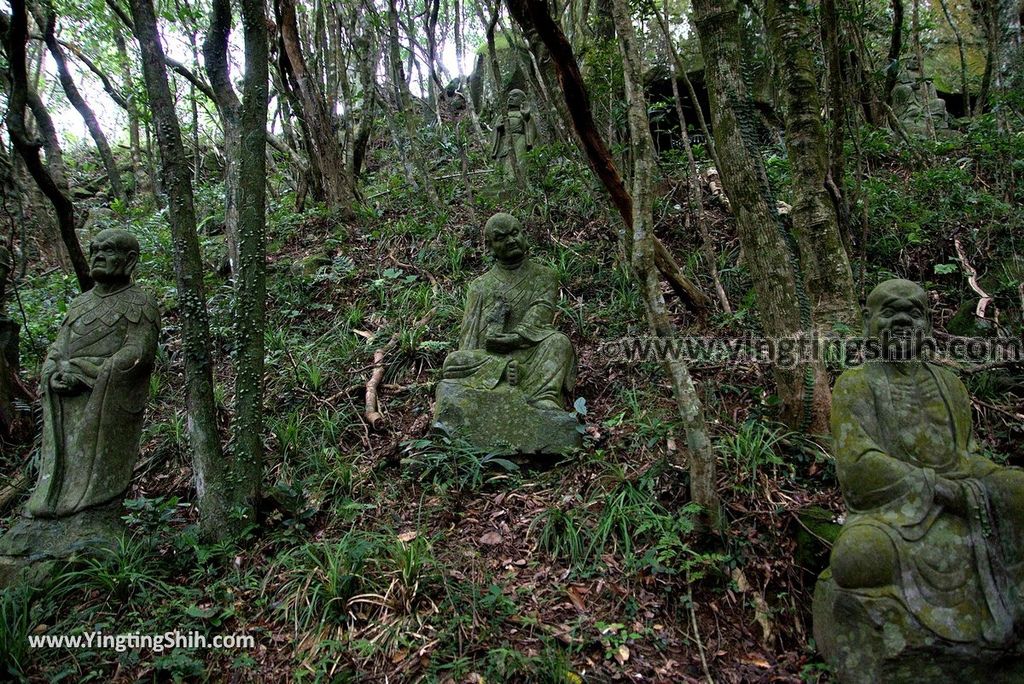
(236, 483)
(782, 304)
(534, 15)
(691, 411)
(208, 460)
(827, 277)
(215, 59)
(251, 285)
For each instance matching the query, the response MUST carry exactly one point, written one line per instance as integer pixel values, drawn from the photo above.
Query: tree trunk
(533, 15)
(207, 456)
(691, 412)
(964, 89)
(78, 102)
(405, 107)
(782, 304)
(828, 280)
(215, 58)
(251, 286)
(892, 67)
(695, 197)
(134, 144)
(317, 115)
(49, 183)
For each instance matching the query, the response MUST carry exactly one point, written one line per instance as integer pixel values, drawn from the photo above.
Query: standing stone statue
(521, 134)
(924, 581)
(94, 386)
(506, 386)
(915, 100)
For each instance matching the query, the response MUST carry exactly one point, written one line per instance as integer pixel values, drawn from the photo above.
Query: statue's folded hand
(502, 342)
(950, 495)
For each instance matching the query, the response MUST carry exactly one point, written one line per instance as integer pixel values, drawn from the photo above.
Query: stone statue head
(113, 254)
(897, 316)
(516, 98)
(504, 238)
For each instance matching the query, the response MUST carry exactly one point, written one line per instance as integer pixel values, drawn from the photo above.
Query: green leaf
(580, 405)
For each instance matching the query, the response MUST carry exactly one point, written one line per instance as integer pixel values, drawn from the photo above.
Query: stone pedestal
(502, 420)
(869, 638)
(32, 546)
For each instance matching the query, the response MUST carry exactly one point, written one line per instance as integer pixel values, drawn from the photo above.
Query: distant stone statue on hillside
(520, 134)
(925, 578)
(916, 102)
(507, 384)
(94, 386)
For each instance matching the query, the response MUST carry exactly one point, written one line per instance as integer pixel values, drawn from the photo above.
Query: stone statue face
(113, 254)
(516, 98)
(897, 315)
(505, 239)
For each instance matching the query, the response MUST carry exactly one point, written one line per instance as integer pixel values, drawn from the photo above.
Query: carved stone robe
(91, 438)
(896, 428)
(521, 300)
(520, 132)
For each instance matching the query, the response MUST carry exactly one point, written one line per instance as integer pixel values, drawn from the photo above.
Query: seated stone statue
(507, 383)
(916, 103)
(925, 577)
(94, 386)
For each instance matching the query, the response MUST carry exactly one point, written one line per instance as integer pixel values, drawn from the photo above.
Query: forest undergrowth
(399, 554)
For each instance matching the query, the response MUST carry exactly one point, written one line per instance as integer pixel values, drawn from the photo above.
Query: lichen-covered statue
(915, 101)
(507, 385)
(925, 578)
(520, 134)
(94, 386)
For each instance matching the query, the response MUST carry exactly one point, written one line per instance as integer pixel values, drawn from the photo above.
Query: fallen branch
(684, 288)
(371, 404)
(972, 280)
(373, 414)
(9, 494)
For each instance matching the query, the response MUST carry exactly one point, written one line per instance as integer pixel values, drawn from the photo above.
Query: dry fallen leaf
(576, 599)
(491, 538)
(407, 536)
(621, 654)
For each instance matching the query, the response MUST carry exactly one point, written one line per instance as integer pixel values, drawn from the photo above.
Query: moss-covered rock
(503, 420)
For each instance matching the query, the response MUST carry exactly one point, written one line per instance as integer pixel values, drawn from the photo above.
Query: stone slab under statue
(505, 388)
(925, 578)
(94, 385)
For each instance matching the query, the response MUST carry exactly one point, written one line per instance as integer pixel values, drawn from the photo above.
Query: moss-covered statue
(507, 385)
(916, 102)
(94, 386)
(924, 580)
(520, 134)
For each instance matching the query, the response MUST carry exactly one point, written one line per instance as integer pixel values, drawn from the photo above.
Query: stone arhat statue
(94, 386)
(916, 102)
(508, 382)
(521, 133)
(924, 581)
